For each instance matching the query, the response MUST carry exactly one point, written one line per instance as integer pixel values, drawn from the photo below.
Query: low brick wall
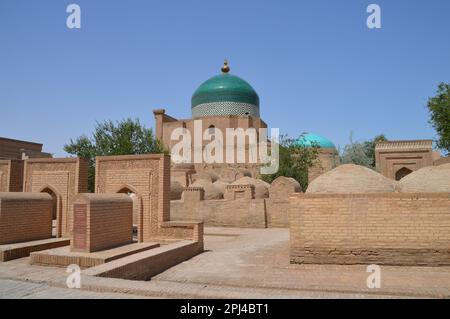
(25, 217)
(222, 212)
(102, 221)
(144, 265)
(277, 213)
(20, 250)
(391, 229)
(254, 213)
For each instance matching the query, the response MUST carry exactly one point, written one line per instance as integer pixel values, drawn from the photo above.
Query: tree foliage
(361, 153)
(295, 160)
(439, 108)
(126, 137)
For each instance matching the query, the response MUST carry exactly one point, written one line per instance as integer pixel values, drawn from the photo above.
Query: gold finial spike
(225, 68)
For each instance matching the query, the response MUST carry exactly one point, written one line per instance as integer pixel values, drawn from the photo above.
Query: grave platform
(62, 257)
(20, 250)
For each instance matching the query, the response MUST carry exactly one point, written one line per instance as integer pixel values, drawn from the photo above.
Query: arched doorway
(402, 172)
(54, 210)
(137, 216)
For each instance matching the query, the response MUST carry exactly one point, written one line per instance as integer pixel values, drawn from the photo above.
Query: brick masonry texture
(390, 228)
(148, 177)
(237, 213)
(393, 156)
(20, 250)
(65, 178)
(63, 256)
(243, 210)
(25, 217)
(165, 125)
(11, 175)
(102, 222)
(247, 213)
(245, 192)
(15, 149)
(144, 265)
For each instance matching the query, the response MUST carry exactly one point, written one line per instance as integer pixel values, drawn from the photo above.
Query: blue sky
(315, 64)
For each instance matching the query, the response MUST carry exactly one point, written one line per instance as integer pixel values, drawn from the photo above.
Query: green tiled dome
(311, 139)
(225, 94)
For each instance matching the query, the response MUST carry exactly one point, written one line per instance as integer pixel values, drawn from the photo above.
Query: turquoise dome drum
(311, 139)
(225, 94)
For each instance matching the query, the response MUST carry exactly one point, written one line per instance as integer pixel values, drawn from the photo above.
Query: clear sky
(315, 64)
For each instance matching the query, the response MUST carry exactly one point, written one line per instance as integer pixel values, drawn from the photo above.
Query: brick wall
(193, 194)
(228, 213)
(392, 156)
(147, 176)
(145, 265)
(391, 228)
(102, 222)
(16, 176)
(238, 192)
(11, 175)
(25, 217)
(166, 125)
(277, 204)
(238, 212)
(277, 213)
(12, 149)
(65, 177)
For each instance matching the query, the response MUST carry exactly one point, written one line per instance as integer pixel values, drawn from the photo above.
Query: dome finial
(225, 68)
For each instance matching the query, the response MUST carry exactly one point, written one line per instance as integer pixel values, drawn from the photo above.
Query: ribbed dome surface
(225, 94)
(225, 87)
(432, 179)
(261, 187)
(351, 178)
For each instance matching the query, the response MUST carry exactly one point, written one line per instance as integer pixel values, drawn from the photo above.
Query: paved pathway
(14, 289)
(237, 263)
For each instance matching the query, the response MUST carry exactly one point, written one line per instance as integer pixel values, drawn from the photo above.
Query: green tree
(370, 147)
(439, 108)
(361, 153)
(126, 137)
(295, 160)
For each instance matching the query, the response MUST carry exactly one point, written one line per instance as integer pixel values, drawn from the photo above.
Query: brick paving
(260, 258)
(240, 263)
(14, 289)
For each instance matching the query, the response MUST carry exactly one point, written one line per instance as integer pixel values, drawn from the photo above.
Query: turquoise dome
(225, 94)
(311, 139)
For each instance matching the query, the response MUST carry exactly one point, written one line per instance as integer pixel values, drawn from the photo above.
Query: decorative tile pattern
(225, 108)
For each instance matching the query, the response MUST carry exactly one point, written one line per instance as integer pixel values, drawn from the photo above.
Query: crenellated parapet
(235, 192)
(194, 194)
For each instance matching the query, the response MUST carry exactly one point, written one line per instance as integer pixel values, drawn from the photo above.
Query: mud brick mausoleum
(148, 214)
